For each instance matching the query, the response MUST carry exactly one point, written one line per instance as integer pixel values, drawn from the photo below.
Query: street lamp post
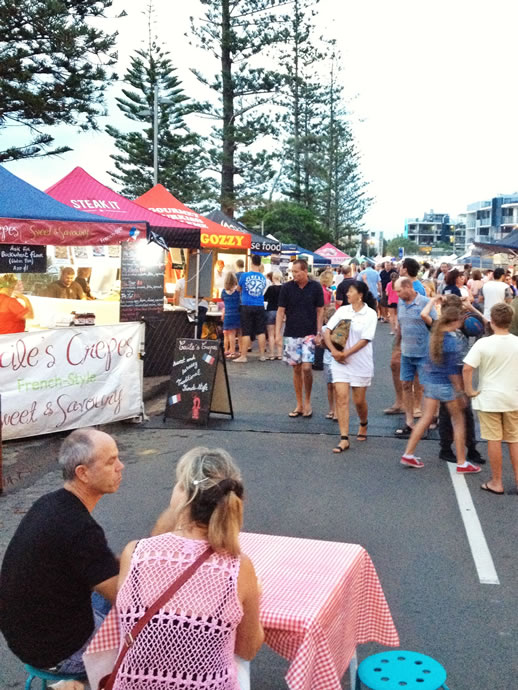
(155, 135)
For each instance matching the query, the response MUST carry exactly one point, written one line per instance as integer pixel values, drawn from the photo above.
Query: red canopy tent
(81, 191)
(213, 235)
(332, 253)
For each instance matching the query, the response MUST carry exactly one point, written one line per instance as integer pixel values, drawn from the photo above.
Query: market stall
(143, 266)
(64, 372)
(291, 252)
(508, 247)
(218, 243)
(335, 256)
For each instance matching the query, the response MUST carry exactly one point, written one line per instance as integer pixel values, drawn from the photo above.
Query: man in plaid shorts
(302, 302)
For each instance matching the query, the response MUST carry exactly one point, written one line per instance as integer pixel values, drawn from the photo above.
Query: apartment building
(491, 220)
(430, 229)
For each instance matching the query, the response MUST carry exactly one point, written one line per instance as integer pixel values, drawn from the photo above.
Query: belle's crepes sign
(69, 378)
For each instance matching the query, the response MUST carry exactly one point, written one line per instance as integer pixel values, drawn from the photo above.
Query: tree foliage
(288, 222)
(395, 243)
(53, 69)
(299, 55)
(237, 35)
(181, 160)
(344, 200)
(321, 164)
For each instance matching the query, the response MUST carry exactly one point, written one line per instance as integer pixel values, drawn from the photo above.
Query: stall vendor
(83, 279)
(65, 287)
(12, 312)
(219, 278)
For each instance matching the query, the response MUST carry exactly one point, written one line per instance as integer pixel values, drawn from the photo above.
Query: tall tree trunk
(307, 200)
(331, 171)
(297, 192)
(228, 199)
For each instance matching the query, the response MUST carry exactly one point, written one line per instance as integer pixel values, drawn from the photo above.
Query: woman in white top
(354, 366)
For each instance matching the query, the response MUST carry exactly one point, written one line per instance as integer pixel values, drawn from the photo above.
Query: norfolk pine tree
(343, 199)
(238, 34)
(181, 161)
(299, 56)
(53, 70)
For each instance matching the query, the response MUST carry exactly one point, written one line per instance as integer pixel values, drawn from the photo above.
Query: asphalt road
(409, 521)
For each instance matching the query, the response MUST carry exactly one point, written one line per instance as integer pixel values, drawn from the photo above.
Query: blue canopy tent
(29, 216)
(317, 259)
(508, 245)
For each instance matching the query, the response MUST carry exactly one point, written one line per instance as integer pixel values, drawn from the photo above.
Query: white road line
(479, 549)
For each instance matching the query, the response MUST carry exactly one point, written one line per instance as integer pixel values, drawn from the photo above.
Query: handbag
(106, 683)
(340, 333)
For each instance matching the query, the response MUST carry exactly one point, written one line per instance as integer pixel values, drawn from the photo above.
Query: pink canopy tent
(332, 253)
(81, 191)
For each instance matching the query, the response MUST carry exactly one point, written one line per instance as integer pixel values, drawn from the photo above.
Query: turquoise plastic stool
(45, 676)
(401, 670)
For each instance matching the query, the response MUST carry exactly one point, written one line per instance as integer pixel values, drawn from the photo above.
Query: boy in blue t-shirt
(252, 285)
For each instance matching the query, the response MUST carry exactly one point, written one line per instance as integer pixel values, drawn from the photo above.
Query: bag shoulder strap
(152, 610)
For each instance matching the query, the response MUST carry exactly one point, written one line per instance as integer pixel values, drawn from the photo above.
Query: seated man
(58, 556)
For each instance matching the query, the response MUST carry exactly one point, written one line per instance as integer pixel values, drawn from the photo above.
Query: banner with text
(69, 378)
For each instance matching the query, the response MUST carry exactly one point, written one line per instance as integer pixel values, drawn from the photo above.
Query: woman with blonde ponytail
(192, 640)
(443, 383)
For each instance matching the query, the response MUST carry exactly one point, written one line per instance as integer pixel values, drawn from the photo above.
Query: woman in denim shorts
(442, 382)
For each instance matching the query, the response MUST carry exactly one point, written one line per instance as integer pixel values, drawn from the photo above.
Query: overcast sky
(434, 103)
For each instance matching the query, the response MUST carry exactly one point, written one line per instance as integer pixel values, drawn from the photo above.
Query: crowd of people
(436, 315)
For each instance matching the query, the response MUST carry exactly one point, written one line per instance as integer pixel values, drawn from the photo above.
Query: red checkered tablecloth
(320, 600)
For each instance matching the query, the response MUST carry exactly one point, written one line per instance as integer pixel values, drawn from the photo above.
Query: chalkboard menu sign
(199, 381)
(21, 258)
(142, 280)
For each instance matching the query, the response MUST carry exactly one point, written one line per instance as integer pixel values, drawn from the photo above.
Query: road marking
(479, 549)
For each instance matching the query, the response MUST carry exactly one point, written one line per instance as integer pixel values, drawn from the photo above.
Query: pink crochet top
(189, 644)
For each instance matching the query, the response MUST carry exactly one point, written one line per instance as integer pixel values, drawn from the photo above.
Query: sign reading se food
(70, 378)
(22, 258)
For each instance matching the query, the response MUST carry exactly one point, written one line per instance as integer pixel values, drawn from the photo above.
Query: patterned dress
(189, 644)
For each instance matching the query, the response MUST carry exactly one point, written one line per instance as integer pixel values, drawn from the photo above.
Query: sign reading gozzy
(69, 378)
(224, 241)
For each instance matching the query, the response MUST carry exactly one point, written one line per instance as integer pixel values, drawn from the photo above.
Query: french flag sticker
(175, 399)
(209, 359)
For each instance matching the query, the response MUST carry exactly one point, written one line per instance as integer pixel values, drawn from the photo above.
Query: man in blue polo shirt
(252, 285)
(413, 334)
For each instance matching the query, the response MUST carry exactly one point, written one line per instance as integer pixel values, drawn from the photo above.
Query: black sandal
(362, 437)
(404, 432)
(339, 449)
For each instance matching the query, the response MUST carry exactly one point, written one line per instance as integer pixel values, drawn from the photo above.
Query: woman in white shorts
(354, 366)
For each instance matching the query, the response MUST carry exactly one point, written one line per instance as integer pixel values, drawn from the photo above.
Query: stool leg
(445, 687)
(28, 682)
(358, 683)
(353, 668)
(43, 684)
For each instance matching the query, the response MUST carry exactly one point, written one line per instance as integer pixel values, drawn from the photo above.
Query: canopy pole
(197, 292)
